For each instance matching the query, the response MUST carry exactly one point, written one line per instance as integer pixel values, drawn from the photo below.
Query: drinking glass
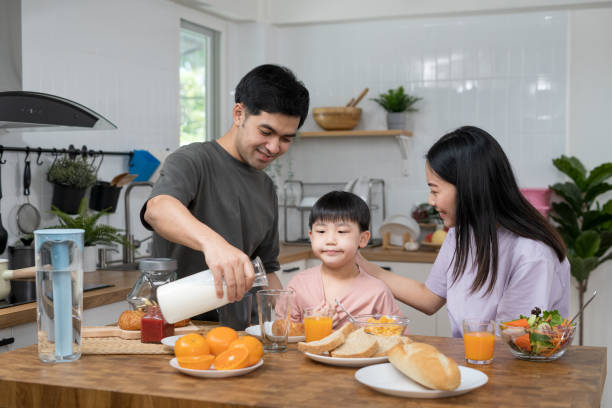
(273, 308)
(479, 340)
(318, 323)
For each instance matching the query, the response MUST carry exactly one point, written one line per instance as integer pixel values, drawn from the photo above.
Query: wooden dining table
(289, 379)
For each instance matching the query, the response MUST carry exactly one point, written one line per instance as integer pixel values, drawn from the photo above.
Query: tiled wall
(505, 73)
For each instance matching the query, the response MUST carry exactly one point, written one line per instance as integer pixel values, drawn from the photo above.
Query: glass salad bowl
(386, 325)
(538, 343)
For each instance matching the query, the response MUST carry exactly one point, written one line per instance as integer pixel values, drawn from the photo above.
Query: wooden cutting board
(115, 331)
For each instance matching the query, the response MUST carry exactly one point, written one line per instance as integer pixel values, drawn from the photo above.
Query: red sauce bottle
(154, 327)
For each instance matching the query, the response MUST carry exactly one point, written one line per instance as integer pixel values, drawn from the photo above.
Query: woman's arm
(406, 290)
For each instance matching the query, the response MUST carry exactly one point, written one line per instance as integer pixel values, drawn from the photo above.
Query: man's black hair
(273, 89)
(341, 206)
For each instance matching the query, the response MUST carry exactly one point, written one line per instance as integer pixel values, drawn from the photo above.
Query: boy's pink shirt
(366, 295)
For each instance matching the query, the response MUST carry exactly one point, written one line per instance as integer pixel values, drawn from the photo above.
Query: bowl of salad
(541, 336)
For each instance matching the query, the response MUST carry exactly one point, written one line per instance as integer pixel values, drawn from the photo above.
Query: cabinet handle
(7, 341)
(297, 268)
(387, 268)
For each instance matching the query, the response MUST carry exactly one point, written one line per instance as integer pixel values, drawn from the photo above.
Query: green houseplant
(70, 179)
(396, 102)
(95, 234)
(584, 224)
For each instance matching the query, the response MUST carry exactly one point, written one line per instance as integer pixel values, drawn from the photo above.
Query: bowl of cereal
(381, 324)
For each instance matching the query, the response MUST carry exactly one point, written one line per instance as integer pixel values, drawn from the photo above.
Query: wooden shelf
(356, 133)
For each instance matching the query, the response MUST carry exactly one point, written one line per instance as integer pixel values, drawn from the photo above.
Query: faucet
(129, 251)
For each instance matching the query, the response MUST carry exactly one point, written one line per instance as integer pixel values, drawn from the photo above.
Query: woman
(501, 258)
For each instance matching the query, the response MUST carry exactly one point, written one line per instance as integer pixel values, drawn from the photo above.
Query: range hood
(24, 110)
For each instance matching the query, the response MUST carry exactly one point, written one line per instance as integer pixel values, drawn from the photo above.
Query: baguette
(424, 364)
(327, 343)
(358, 344)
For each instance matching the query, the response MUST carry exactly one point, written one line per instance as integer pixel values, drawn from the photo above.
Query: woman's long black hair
(487, 198)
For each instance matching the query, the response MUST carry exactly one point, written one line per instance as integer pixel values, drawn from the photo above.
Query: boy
(339, 225)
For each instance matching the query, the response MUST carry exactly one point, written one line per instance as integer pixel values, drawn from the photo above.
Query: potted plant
(396, 102)
(70, 179)
(95, 234)
(584, 224)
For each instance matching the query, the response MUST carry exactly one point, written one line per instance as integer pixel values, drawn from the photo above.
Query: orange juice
(317, 327)
(479, 345)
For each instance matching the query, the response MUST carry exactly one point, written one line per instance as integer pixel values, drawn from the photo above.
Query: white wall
(590, 139)
(119, 58)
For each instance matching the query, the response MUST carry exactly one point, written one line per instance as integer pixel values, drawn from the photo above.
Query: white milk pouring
(195, 294)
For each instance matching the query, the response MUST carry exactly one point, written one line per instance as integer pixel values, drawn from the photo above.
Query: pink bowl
(538, 197)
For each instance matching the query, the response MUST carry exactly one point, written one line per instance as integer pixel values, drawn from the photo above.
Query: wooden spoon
(128, 178)
(117, 178)
(361, 95)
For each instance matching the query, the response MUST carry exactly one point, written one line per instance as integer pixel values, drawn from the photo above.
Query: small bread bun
(295, 328)
(130, 319)
(182, 323)
(424, 364)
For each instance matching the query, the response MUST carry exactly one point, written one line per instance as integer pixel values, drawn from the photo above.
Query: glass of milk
(195, 294)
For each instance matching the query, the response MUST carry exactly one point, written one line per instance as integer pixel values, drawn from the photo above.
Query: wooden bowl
(337, 118)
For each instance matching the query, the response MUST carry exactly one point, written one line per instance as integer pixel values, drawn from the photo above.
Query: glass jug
(154, 272)
(59, 293)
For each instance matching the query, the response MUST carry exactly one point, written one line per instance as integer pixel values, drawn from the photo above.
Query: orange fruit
(201, 362)
(219, 339)
(255, 348)
(233, 358)
(192, 344)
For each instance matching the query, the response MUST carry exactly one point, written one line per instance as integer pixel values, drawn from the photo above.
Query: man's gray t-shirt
(234, 199)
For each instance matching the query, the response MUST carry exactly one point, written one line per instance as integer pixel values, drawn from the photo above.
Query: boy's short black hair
(273, 89)
(341, 206)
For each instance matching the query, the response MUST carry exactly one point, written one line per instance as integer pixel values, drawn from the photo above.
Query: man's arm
(273, 281)
(174, 222)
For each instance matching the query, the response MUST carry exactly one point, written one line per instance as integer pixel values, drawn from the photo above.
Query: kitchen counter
(288, 379)
(123, 281)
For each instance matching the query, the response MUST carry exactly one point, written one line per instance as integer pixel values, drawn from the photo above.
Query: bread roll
(424, 364)
(130, 319)
(295, 329)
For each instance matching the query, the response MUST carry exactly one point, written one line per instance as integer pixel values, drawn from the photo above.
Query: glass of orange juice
(479, 340)
(318, 323)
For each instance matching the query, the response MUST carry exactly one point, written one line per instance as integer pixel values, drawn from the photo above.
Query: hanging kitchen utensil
(28, 217)
(3, 233)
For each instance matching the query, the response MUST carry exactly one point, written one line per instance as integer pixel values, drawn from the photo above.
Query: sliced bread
(327, 343)
(424, 364)
(358, 344)
(386, 343)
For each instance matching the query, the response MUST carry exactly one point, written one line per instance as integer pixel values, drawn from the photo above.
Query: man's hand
(227, 262)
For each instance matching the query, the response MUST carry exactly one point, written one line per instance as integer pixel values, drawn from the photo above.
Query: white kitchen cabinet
(420, 323)
(289, 270)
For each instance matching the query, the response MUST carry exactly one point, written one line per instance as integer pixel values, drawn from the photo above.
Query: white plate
(386, 379)
(170, 341)
(346, 362)
(215, 373)
(256, 331)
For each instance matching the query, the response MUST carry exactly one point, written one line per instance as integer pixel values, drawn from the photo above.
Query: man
(214, 198)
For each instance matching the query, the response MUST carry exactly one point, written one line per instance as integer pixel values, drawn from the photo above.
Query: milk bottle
(196, 294)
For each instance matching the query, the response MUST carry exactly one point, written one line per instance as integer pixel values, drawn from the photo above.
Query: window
(198, 83)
